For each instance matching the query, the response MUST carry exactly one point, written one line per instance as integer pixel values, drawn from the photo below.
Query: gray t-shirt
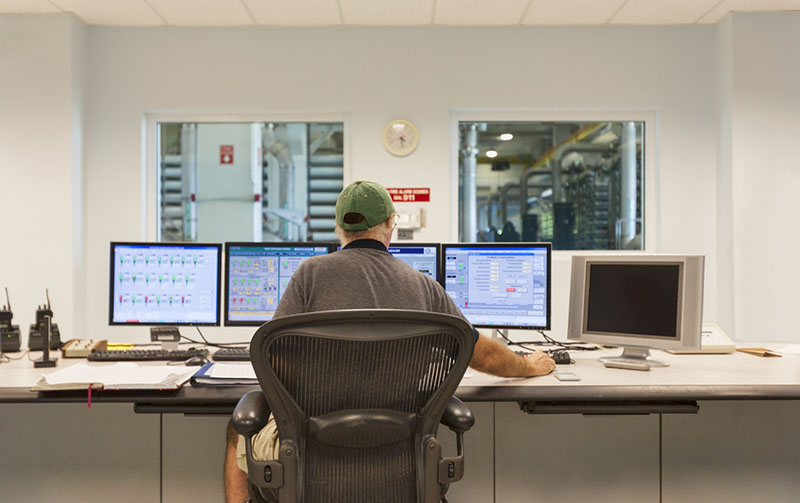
(363, 275)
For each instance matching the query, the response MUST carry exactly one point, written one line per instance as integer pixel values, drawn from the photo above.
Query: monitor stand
(500, 334)
(639, 354)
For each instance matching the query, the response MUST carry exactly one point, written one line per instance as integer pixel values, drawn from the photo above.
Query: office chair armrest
(457, 416)
(251, 413)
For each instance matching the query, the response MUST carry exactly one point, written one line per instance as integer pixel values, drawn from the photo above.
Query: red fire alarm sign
(401, 195)
(226, 154)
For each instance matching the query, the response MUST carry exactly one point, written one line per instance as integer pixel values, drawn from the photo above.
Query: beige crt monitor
(638, 302)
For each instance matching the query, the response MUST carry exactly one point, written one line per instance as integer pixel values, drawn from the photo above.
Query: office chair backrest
(355, 394)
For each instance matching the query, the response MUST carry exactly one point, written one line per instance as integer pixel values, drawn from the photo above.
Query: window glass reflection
(576, 184)
(249, 181)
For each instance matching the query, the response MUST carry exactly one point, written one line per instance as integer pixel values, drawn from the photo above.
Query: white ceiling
(394, 12)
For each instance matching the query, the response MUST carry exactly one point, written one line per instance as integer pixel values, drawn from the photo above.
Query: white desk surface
(723, 369)
(720, 376)
(22, 374)
(726, 376)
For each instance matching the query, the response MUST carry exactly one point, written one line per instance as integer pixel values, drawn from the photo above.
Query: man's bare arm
(494, 358)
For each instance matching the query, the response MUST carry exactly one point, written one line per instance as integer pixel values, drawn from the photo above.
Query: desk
(742, 446)
(737, 376)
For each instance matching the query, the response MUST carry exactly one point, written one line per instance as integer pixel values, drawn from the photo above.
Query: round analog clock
(400, 137)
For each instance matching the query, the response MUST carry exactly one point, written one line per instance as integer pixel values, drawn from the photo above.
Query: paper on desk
(790, 349)
(232, 371)
(119, 375)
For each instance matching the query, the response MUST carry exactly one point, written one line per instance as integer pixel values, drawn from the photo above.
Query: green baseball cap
(368, 199)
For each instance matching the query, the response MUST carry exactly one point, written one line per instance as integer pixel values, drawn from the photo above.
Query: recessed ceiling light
(491, 153)
(506, 136)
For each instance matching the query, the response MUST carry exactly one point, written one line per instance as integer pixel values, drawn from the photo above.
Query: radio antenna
(47, 294)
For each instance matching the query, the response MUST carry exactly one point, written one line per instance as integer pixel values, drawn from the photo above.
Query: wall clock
(400, 137)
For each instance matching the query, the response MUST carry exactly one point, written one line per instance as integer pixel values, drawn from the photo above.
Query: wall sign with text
(410, 195)
(226, 154)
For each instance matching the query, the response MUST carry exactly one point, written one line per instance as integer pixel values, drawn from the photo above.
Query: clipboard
(763, 352)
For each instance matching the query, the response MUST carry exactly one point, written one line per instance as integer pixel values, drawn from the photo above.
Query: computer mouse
(561, 357)
(196, 360)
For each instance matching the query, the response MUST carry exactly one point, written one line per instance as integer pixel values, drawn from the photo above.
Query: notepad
(233, 371)
(121, 375)
(225, 374)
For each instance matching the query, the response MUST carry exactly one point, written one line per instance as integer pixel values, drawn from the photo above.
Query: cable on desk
(215, 344)
(509, 342)
(549, 341)
(8, 357)
(189, 340)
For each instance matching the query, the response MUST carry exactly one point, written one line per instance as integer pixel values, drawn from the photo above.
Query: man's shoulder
(315, 262)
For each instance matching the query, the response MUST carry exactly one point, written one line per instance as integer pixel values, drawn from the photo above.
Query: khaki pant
(265, 445)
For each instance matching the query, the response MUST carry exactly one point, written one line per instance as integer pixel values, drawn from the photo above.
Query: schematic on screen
(422, 257)
(499, 286)
(257, 277)
(163, 283)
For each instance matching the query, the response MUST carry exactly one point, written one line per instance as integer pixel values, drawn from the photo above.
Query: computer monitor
(424, 257)
(257, 275)
(500, 285)
(164, 284)
(637, 302)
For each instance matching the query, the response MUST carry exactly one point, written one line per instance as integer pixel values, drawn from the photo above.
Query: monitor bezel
(690, 308)
(228, 244)
(162, 244)
(438, 247)
(548, 246)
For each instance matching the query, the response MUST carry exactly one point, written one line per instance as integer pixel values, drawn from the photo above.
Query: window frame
(650, 118)
(151, 210)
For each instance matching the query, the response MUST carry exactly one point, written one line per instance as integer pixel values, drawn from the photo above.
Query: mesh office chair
(357, 396)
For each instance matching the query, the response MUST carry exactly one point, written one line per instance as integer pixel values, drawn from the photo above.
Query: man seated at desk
(364, 275)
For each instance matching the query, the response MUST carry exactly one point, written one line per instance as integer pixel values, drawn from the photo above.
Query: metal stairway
(325, 182)
(172, 200)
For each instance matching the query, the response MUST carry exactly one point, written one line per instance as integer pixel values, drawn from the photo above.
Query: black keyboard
(140, 355)
(232, 355)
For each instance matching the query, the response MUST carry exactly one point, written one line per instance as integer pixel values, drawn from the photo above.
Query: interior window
(249, 181)
(578, 185)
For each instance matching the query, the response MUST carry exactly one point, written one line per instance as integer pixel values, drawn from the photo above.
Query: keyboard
(232, 355)
(140, 355)
(630, 364)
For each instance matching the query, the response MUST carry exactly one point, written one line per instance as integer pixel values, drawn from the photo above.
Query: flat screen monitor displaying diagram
(164, 284)
(423, 257)
(637, 302)
(500, 285)
(257, 275)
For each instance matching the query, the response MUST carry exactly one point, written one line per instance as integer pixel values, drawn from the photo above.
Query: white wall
(373, 75)
(724, 85)
(724, 98)
(765, 171)
(41, 67)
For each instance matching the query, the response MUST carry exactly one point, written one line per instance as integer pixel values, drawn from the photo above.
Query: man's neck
(345, 242)
(365, 243)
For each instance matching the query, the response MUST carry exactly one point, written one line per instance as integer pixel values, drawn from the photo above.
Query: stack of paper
(225, 374)
(122, 375)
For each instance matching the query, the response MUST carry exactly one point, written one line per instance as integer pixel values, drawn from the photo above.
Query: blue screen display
(499, 286)
(163, 283)
(257, 276)
(423, 258)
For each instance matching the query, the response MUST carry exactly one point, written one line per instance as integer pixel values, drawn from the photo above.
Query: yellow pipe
(575, 137)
